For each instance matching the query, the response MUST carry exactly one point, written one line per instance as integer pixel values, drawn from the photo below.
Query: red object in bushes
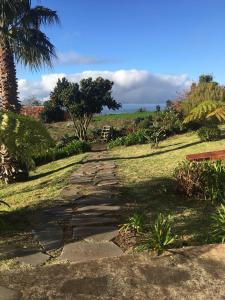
(214, 155)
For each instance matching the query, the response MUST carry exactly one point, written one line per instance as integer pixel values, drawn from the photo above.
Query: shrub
(209, 134)
(203, 180)
(138, 137)
(161, 236)
(23, 137)
(144, 123)
(52, 113)
(218, 227)
(65, 140)
(75, 147)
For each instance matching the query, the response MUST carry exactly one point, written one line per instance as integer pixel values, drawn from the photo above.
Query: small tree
(52, 113)
(84, 100)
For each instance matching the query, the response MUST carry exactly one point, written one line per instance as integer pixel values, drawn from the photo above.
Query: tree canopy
(83, 100)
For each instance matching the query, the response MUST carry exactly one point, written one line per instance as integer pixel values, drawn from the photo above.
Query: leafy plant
(203, 180)
(218, 227)
(161, 236)
(52, 154)
(209, 134)
(136, 222)
(21, 137)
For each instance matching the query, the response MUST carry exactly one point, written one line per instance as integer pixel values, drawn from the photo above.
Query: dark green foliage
(52, 113)
(218, 226)
(141, 110)
(202, 180)
(207, 134)
(144, 123)
(138, 137)
(83, 100)
(161, 237)
(75, 147)
(65, 140)
(23, 136)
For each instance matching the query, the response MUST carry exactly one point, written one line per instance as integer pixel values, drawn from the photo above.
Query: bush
(23, 137)
(218, 227)
(75, 147)
(207, 134)
(65, 140)
(138, 137)
(203, 180)
(52, 113)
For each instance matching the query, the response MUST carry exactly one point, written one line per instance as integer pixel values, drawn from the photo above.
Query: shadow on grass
(33, 177)
(147, 155)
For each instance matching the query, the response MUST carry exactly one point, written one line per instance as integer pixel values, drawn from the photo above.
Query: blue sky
(176, 38)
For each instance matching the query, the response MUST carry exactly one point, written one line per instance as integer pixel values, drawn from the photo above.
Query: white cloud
(74, 58)
(130, 86)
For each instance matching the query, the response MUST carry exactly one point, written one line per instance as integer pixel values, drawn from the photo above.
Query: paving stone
(84, 251)
(71, 192)
(32, 257)
(9, 294)
(95, 233)
(82, 220)
(89, 200)
(81, 180)
(107, 182)
(106, 208)
(49, 235)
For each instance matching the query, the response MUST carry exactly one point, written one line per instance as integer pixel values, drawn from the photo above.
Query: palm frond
(32, 47)
(218, 113)
(203, 110)
(38, 16)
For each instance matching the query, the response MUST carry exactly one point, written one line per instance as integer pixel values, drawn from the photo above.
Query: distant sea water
(130, 108)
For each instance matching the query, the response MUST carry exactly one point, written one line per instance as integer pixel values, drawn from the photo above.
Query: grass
(43, 187)
(147, 181)
(57, 130)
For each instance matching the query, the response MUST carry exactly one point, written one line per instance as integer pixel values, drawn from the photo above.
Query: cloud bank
(130, 86)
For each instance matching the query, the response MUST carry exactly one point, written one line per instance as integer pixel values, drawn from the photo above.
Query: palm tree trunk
(8, 81)
(10, 169)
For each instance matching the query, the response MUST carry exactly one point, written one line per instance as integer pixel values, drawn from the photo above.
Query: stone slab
(106, 208)
(49, 236)
(107, 182)
(84, 251)
(32, 257)
(9, 294)
(89, 220)
(95, 201)
(95, 233)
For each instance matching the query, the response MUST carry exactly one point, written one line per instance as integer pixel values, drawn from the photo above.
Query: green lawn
(43, 187)
(147, 179)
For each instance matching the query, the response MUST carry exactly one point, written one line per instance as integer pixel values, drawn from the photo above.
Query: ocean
(130, 108)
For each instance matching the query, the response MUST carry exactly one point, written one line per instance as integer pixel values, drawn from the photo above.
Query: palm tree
(21, 40)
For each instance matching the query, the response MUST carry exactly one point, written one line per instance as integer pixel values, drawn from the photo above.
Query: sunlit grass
(147, 181)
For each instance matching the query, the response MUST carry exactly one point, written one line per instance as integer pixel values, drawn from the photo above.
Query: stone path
(85, 220)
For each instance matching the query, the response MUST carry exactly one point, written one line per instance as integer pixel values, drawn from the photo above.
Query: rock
(31, 257)
(95, 233)
(107, 182)
(91, 200)
(89, 220)
(49, 235)
(9, 294)
(105, 208)
(84, 251)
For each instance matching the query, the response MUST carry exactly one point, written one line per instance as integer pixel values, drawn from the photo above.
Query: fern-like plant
(206, 110)
(136, 222)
